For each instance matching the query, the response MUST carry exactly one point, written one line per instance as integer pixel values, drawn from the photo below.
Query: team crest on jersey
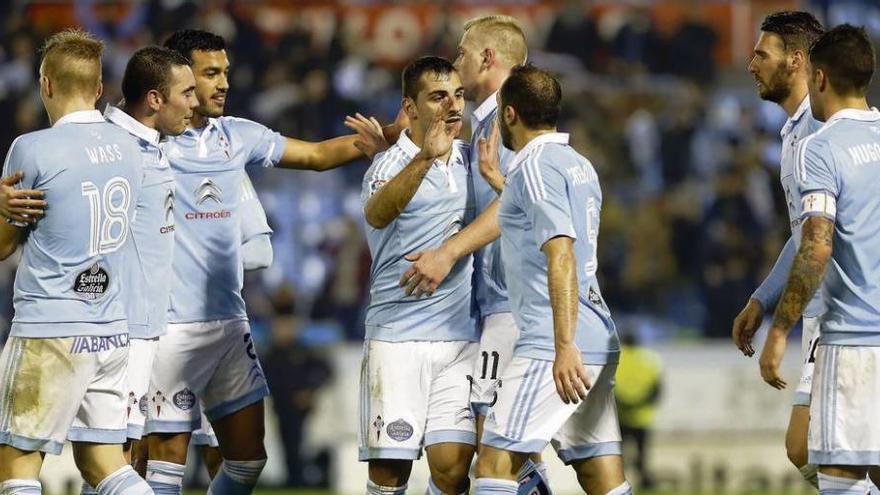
(208, 189)
(169, 213)
(378, 424)
(158, 401)
(595, 298)
(93, 283)
(143, 404)
(185, 399)
(399, 430)
(224, 145)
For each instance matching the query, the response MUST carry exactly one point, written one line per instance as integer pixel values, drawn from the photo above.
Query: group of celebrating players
(486, 325)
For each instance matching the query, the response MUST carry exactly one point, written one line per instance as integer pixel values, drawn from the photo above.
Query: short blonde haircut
(502, 33)
(72, 61)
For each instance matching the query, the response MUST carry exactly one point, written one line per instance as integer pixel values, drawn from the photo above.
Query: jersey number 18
(108, 214)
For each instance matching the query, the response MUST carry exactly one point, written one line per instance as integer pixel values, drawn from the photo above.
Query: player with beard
(207, 317)
(489, 48)
(779, 67)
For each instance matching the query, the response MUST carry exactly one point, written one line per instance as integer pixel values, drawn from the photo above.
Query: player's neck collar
(130, 124)
(486, 107)
(550, 137)
(855, 114)
(794, 119)
(80, 117)
(407, 145)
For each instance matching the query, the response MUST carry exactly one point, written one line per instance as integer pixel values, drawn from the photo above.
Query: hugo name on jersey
(839, 176)
(552, 191)
(208, 165)
(440, 207)
(148, 271)
(69, 281)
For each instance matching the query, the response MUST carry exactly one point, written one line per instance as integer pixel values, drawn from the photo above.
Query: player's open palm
(428, 270)
(490, 166)
(371, 139)
(570, 375)
(441, 131)
(20, 205)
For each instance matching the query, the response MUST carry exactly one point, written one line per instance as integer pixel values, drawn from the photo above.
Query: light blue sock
(21, 487)
(492, 486)
(125, 481)
(237, 477)
(374, 489)
(532, 478)
(624, 489)
(87, 489)
(165, 478)
(834, 485)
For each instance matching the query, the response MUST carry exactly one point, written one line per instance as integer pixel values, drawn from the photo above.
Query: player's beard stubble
(778, 88)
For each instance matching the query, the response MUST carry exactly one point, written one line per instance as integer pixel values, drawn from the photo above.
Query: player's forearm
(390, 200)
(480, 233)
(321, 156)
(10, 238)
(769, 291)
(807, 272)
(562, 287)
(391, 132)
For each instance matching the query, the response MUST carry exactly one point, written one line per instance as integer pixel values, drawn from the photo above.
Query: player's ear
(46, 86)
(100, 91)
(409, 107)
(488, 58)
(798, 60)
(154, 100)
(509, 115)
(821, 80)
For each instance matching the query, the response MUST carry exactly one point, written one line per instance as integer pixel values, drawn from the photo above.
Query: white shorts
(414, 394)
(846, 395)
(496, 350)
(211, 365)
(809, 342)
(205, 435)
(529, 413)
(47, 383)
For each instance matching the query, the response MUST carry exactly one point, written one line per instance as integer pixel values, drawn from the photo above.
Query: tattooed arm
(807, 272)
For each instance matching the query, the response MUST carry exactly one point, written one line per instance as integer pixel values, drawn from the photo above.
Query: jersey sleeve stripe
(528, 179)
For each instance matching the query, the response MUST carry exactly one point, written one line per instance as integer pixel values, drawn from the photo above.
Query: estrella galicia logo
(92, 283)
(143, 403)
(185, 399)
(399, 430)
(208, 189)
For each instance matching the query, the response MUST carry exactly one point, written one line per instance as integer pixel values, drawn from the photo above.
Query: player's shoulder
(393, 156)
(232, 125)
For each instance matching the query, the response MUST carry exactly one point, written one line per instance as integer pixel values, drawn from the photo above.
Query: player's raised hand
(569, 374)
(490, 167)
(369, 130)
(771, 358)
(20, 205)
(746, 324)
(427, 272)
(442, 129)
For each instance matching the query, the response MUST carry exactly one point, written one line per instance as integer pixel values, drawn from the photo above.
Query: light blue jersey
(552, 191)
(795, 130)
(148, 272)
(839, 177)
(70, 281)
(208, 163)
(439, 208)
(490, 290)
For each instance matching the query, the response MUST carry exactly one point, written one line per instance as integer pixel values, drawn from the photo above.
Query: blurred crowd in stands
(692, 219)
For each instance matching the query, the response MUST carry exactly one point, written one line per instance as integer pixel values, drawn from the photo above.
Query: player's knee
(168, 447)
(492, 463)
(390, 472)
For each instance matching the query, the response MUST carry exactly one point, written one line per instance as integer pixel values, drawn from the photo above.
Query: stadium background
(656, 95)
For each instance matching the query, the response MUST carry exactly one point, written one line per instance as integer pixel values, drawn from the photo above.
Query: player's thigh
(593, 429)
(16, 464)
(395, 385)
(590, 440)
(185, 360)
(449, 415)
(796, 435)
(528, 412)
(845, 398)
(97, 461)
(101, 417)
(42, 384)
(241, 433)
(497, 342)
(239, 381)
